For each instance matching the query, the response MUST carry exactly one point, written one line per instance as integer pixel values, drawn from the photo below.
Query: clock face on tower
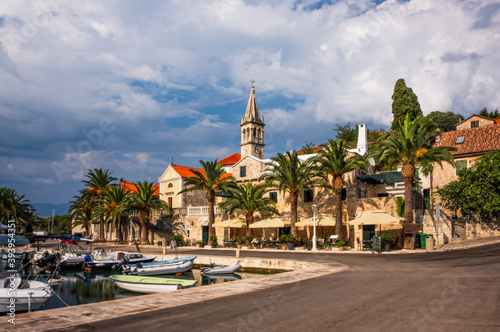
(258, 150)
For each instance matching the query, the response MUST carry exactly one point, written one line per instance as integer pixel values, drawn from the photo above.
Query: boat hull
(148, 285)
(32, 296)
(159, 269)
(100, 265)
(220, 270)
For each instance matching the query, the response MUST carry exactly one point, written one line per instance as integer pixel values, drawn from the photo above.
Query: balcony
(201, 210)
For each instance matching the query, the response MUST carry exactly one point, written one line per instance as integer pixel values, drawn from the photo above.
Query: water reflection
(74, 287)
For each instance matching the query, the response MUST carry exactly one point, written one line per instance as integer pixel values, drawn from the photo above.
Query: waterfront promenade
(440, 291)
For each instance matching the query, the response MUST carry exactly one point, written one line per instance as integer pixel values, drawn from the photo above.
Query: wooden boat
(217, 270)
(140, 284)
(157, 269)
(18, 295)
(108, 260)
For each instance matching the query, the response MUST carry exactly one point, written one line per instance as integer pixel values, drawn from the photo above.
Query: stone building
(472, 138)
(191, 210)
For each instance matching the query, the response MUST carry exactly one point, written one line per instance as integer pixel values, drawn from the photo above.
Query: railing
(201, 210)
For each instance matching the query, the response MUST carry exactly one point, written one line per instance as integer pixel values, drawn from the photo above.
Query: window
(274, 196)
(243, 171)
(170, 185)
(461, 164)
(460, 139)
(308, 196)
(474, 124)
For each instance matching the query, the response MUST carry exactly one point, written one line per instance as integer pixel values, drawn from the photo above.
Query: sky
(124, 85)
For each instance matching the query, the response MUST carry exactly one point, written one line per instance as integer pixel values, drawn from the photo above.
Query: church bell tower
(252, 129)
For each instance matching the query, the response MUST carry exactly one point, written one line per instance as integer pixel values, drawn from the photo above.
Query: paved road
(446, 291)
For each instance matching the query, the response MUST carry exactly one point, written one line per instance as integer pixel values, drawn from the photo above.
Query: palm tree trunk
(102, 233)
(211, 213)
(338, 184)
(408, 172)
(293, 210)
(249, 220)
(144, 229)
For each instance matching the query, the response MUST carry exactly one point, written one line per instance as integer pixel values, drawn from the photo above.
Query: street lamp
(314, 207)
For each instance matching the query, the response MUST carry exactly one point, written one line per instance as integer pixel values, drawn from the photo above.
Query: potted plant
(213, 240)
(386, 239)
(200, 244)
(326, 245)
(284, 241)
(178, 239)
(239, 241)
(291, 240)
(340, 245)
(248, 241)
(309, 245)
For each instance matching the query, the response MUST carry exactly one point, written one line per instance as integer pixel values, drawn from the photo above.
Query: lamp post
(314, 207)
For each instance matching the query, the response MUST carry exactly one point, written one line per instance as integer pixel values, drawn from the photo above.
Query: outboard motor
(87, 258)
(124, 261)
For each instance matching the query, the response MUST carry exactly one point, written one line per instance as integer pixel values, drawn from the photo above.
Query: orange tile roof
(497, 121)
(231, 160)
(185, 172)
(130, 187)
(477, 140)
(314, 150)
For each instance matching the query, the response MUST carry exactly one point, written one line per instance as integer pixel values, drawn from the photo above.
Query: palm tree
(13, 205)
(145, 201)
(333, 161)
(248, 198)
(97, 182)
(212, 178)
(116, 207)
(289, 175)
(409, 144)
(82, 208)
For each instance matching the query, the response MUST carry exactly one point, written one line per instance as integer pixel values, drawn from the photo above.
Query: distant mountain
(44, 210)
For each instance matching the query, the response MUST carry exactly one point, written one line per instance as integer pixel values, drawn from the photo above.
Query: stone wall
(477, 230)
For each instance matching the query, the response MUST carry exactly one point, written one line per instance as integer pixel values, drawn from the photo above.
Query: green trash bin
(422, 240)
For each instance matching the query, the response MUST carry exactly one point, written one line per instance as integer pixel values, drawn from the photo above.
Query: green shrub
(386, 238)
(213, 240)
(177, 238)
(340, 244)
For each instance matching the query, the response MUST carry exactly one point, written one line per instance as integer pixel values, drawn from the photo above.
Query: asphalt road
(445, 291)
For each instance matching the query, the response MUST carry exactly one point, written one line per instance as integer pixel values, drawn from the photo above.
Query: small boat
(217, 270)
(157, 269)
(173, 260)
(73, 259)
(22, 295)
(109, 260)
(147, 285)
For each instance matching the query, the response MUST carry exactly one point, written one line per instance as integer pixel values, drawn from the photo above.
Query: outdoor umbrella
(231, 223)
(272, 222)
(321, 220)
(377, 217)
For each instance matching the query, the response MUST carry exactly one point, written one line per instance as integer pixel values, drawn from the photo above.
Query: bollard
(237, 253)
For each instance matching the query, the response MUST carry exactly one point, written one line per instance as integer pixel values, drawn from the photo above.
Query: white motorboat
(147, 285)
(217, 270)
(173, 260)
(158, 269)
(22, 295)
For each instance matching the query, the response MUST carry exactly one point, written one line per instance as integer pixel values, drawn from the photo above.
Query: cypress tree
(404, 101)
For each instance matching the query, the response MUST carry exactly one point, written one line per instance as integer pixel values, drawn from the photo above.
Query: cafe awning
(272, 222)
(321, 220)
(231, 223)
(377, 217)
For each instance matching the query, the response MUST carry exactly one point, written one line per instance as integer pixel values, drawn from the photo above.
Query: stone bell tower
(252, 129)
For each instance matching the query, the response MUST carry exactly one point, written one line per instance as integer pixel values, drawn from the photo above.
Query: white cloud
(173, 77)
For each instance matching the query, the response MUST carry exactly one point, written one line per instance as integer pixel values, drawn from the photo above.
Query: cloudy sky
(126, 84)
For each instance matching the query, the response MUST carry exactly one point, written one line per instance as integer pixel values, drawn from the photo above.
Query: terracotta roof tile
(231, 160)
(477, 140)
(184, 171)
(130, 187)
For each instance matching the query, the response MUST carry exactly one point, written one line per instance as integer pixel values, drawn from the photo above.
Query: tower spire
(252, 114)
